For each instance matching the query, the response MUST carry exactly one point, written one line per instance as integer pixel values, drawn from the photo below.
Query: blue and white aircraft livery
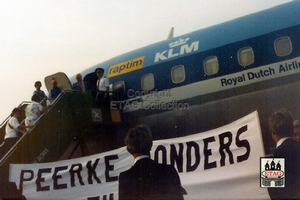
(256, 55)
(179, 87)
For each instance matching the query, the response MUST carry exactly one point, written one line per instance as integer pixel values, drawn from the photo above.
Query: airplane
(210, 77)
(180, 86)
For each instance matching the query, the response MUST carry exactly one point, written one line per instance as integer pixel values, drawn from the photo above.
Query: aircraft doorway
(90, 81)
(62, 80)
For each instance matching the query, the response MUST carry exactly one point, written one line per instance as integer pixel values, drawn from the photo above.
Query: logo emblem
(177, 48)
(272, 172)
(126, 66)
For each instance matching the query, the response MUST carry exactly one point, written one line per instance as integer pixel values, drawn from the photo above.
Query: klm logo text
(177, 50)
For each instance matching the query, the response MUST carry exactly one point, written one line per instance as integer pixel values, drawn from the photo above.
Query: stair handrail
(8, 117)
(4, 158)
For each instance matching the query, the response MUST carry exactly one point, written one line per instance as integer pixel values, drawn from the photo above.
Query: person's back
(290, 151)
(281, 128)
(148, 179)
(33, 110)
(13, 132)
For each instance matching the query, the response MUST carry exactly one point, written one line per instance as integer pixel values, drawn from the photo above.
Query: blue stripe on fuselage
(217, 40)
(262, 45)
(263, 22)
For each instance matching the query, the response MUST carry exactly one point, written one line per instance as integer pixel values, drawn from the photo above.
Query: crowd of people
(141, 181)
(14, 129)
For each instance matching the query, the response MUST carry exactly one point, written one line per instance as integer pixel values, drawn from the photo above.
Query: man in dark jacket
(281, 127)
(147, 179)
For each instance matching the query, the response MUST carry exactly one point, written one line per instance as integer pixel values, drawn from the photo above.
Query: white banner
(219, 164)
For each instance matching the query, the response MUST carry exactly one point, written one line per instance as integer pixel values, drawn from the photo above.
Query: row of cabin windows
(177, 75)
(282, 46)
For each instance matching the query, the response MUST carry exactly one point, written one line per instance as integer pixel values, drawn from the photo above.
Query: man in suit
(281, 128)
(147, 179)
(79, 85)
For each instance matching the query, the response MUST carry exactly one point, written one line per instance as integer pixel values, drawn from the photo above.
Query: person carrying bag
(13, 132)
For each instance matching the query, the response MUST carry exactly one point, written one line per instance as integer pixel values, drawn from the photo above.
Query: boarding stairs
(60, 133)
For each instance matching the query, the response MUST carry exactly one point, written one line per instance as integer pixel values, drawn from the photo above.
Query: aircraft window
(118, 90)
(178, 74)
(120, 87)
(211, 65)
(148, 82)
(283, 46)
(246, 56)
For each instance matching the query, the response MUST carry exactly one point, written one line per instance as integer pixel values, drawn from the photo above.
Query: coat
(148, 179)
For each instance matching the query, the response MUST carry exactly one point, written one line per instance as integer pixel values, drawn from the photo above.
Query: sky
(42, 37)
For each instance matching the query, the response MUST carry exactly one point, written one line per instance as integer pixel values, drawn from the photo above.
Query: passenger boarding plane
(181, 86)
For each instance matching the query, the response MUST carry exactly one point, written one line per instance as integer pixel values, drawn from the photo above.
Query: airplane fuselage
(166, 83)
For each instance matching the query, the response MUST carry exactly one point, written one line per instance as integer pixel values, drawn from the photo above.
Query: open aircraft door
(62, 81)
